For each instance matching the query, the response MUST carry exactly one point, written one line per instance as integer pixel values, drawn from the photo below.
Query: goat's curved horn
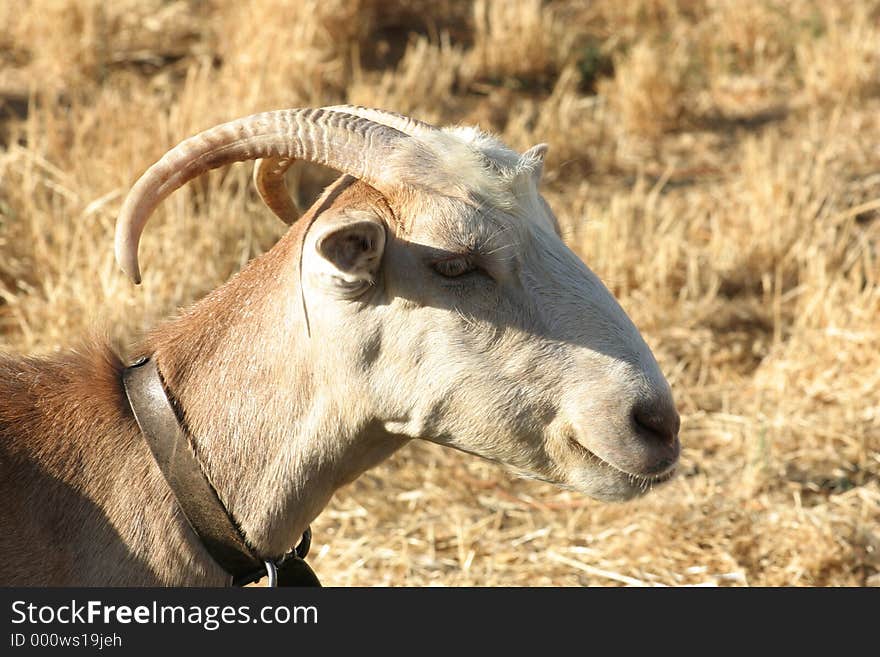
(269, 181)
(347, 143)
(269, 172)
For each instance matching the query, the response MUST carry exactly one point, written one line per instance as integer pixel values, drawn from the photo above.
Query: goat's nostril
(659, 421)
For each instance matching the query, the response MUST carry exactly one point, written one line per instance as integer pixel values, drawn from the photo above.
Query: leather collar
(170, 444)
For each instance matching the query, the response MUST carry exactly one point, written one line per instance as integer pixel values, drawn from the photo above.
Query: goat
(426, 294)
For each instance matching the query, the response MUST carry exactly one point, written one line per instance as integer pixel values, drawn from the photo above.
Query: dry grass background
(716, 162)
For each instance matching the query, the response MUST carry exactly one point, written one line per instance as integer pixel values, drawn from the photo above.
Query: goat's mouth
(637, 483)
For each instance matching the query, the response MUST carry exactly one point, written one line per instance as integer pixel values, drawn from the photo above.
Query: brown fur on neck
(81, 489)
(220, 363)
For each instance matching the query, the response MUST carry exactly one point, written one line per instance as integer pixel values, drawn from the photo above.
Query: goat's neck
(273, 442)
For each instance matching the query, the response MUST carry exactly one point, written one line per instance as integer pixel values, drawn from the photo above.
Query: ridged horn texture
(269, 172)
(411, 127)
(345, 142)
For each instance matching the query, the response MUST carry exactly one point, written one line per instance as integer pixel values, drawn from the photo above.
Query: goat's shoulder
(71, 465)
(66, 401)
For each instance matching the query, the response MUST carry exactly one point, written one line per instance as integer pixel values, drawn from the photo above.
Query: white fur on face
(528, 360)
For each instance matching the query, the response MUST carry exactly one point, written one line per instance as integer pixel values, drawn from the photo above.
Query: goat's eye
(453, 267)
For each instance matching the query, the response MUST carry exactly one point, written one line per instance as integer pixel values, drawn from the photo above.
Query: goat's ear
(533, 161)
(352, 242)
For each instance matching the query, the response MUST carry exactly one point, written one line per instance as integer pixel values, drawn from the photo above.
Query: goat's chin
(582, 472)
(606, 483)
